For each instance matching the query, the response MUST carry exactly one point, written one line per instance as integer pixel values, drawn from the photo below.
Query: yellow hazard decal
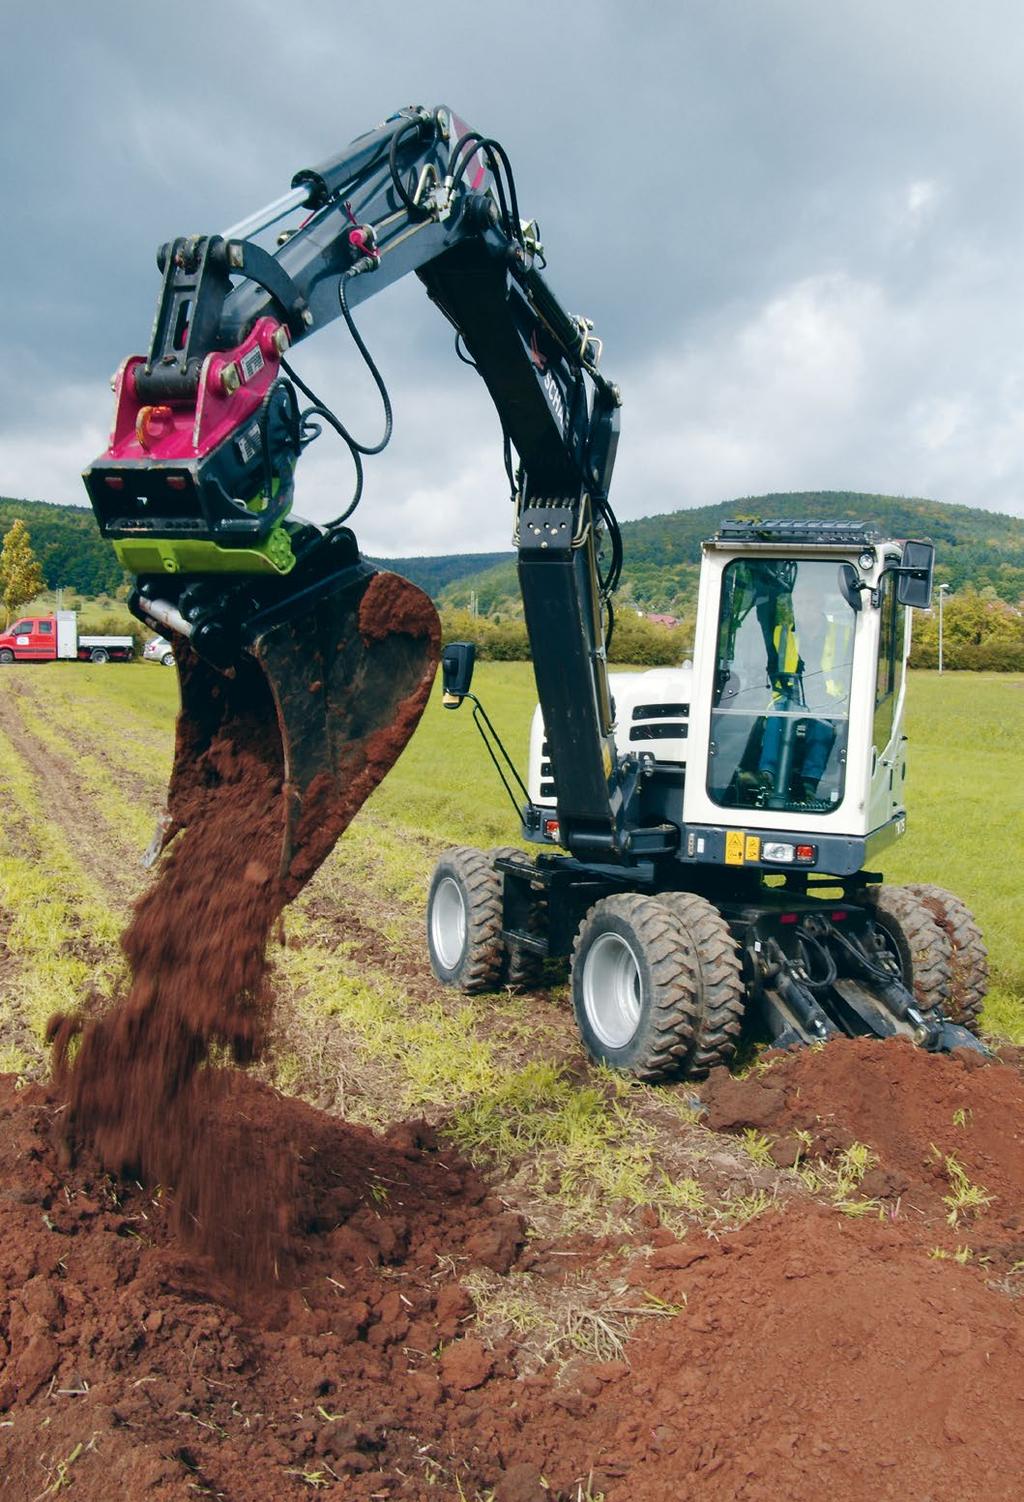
(752, 848)
(734, 847)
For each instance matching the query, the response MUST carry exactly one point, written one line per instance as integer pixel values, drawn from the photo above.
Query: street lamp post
(942, 595)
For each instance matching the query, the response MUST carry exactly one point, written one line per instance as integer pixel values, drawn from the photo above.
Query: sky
(798, 227)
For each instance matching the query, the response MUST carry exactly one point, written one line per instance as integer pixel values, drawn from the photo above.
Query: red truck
(47, 638)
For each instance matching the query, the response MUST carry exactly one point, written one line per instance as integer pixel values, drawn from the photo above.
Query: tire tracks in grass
(65, 800)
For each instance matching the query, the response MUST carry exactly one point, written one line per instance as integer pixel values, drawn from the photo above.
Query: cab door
(34, 639)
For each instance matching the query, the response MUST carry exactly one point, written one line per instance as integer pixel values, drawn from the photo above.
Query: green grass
(966, 809)
(965, 826)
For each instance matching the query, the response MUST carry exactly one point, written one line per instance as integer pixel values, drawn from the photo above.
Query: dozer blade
(318, 708)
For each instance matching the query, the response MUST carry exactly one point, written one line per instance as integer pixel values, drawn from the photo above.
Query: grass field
(113, 726)
(362, 1026)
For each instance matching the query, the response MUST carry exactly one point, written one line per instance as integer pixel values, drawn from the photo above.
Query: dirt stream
(207, 1289)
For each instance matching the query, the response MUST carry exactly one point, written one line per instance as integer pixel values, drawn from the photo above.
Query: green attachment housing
(186, 555)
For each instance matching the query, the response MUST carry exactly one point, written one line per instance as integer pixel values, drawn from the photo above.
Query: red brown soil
(277, 1306)
(914, 1111)
(807, 1355)
(257, 814)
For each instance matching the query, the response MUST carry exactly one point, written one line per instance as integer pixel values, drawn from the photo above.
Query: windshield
(781, 700)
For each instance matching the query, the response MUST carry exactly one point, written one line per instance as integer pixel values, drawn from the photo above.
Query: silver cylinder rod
(264, 217)
(166, 614)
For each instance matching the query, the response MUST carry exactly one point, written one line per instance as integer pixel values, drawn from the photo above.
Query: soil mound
(945, 1132)
(802, 1354)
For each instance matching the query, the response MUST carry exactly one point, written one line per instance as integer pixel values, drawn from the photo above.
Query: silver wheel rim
(611, 989)
(448, 922)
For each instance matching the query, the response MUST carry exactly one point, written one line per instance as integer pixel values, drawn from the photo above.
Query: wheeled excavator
(706, 839)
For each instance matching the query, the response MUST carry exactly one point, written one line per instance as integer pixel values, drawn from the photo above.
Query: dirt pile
(806, 1352)
(256, 817)
(945, 1133)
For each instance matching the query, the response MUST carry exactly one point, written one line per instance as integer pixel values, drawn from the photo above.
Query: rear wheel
(969, 962)
(168, 659)
(722, 995)
(464, 920)
(635, 986)
(924, 953)
(6, 656)
(99, 654)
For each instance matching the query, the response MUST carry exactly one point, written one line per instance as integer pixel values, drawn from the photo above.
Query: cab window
(23, 628)
(781, 700)
(46, 628)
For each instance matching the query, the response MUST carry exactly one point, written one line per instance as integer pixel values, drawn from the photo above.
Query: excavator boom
(195, 489)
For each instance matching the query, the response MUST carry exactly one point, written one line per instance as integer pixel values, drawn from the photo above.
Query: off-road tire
(970, 957)
(631, 953)
(924, 951)
(464, 921)
(722, 995)
(99, 654)
(6, 656)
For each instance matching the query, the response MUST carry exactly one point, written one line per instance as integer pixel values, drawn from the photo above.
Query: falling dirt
(250, 836)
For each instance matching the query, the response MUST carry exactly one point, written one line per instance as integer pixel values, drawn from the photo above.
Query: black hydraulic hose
(371, 367)
(885, 977)
(497, 158)
(322, 410)
(408, 201)
(831, 970)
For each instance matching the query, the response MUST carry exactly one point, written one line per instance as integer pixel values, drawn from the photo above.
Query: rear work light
(784, 854)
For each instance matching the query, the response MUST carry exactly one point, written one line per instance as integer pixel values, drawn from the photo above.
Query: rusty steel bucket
(314, 713)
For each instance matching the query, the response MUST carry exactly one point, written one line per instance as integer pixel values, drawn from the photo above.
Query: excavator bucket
(313, 715)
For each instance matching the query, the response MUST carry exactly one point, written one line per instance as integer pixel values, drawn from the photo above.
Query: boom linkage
(198, 481)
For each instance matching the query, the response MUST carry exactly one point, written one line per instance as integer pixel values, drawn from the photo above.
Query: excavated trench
(207, 1289)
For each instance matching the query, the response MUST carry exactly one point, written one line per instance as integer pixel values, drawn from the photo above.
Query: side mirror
(914, 575)
(457, 661)
(850, 585)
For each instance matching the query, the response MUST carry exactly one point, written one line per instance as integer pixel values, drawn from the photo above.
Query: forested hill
(67, 542)
(662, 553)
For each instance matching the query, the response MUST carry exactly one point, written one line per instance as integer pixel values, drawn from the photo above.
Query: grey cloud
(696, 169)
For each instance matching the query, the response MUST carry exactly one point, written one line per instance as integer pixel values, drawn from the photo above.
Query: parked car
(158, 650)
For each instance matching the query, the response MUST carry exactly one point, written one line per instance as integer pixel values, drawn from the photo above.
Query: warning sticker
(752, 848)
(734, 847)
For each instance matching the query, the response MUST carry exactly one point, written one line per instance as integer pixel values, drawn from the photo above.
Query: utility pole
(942, 595)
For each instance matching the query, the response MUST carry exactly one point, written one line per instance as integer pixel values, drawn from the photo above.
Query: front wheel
(464, 921)
(99, 654)
(6, 656)
(635, 987)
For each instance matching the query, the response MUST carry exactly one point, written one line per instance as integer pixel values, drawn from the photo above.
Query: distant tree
(21, 575)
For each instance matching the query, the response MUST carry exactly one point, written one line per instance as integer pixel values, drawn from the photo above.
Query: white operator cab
(797, 709)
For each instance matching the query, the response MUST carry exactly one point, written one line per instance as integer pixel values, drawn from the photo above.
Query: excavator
(705, 838)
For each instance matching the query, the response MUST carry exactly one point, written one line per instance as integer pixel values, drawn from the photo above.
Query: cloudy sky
(798, 226)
